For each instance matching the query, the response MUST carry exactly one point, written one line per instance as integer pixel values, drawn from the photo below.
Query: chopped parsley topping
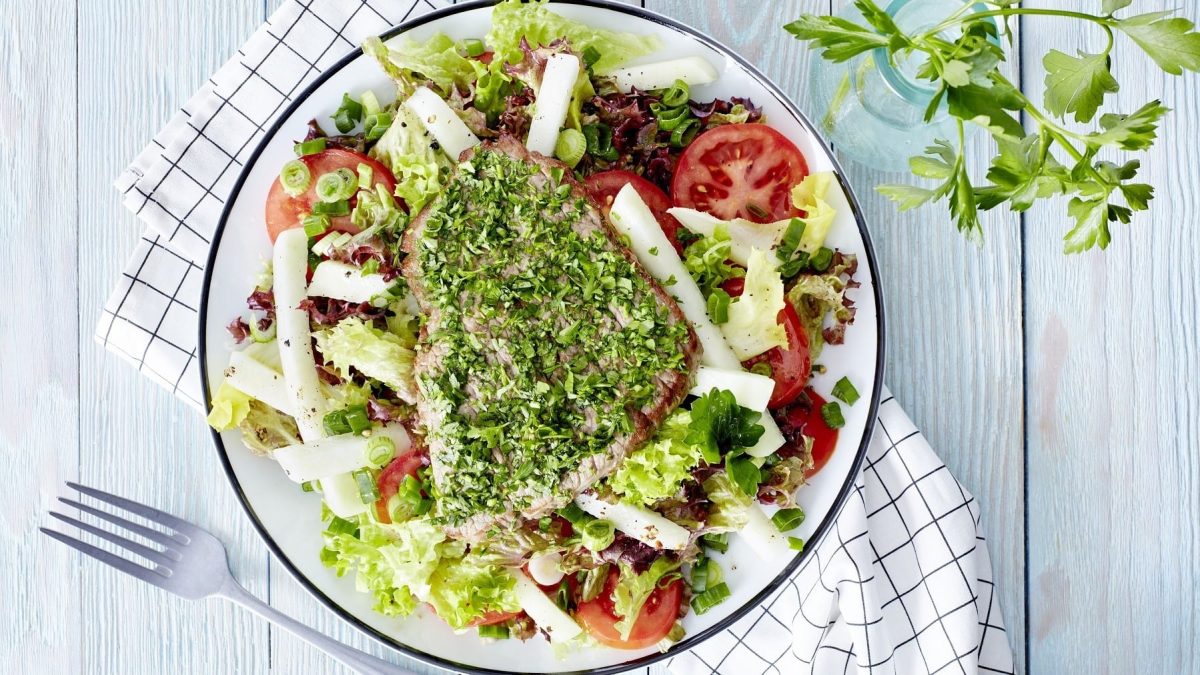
(544, 338)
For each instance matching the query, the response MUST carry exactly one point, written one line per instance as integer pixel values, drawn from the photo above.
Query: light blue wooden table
(1064, 392)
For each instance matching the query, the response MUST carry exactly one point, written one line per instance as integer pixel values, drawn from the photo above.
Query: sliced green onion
(496, 631)
(261, 335)
(368, 490)
(762, 368)
(677, 95)
(335, 423)
(599, 141)
(787, 520)
(684, 133)
(473, 47)
(366, 176)
(822, 259)
(597, 534)
(309, 486)
(710, 598)
(718, 306)
(340, 208)
(369, 102)
(357, 419)
(337, 186)
(339, 525)
(590, 56)
(700, 575)
(844, 389)
(563, 597)
(791, 239)
(756, 210)
(796, 543)
(717, 542)
(573, 513)
(375, 126)
(315, 225)
(669, 118)
(371, 266)
(570, 147)
(544, 523)
(348, 114)
(295, 177)
(380, 450)
(312, 147)
(832, 412)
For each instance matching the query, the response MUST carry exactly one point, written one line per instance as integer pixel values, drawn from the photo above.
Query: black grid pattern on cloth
(902, 582)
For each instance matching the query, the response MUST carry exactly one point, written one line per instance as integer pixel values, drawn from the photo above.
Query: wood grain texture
(39, 402)
(1114, 358)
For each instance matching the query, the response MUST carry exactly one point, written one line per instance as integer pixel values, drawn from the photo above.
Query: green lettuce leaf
(229, 407)
(513, 20)
(814, 296)
(411, 64)
(407, 149)
(809, 197)
(393, 562)
(378, 354)
(730, 506)
(465, 589)
(265, 429)
(753, 326)
(632, 591)
(655, 471)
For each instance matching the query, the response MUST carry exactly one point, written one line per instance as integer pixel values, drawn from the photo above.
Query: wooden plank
(39, 442)
(1114, 407)
(138, 61)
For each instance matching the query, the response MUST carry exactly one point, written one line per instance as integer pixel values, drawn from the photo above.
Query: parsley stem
(956, 19)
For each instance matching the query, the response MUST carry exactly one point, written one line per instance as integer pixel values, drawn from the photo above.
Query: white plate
(289, 520)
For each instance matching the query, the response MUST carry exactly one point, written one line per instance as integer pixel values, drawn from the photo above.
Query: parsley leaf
(1171, 42)
(988, 107)
(842, 40)
(1112, 6)
(1077, 85)
(1135, 131)
(720, 424)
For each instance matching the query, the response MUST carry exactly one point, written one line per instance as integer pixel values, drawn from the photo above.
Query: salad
(539, 329)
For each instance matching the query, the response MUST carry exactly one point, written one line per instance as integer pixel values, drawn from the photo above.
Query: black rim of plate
(843, 494)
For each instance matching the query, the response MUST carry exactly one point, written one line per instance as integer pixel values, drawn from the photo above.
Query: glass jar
(873, 111)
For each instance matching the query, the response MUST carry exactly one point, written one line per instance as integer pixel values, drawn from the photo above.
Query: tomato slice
(740, 171)
(791, 367)
(604, 186)
(654, 622)
(804, 418)
(285, 211)
(402, 466)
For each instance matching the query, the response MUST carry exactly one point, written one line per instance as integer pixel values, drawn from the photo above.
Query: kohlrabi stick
(441, 121)
(553, 99)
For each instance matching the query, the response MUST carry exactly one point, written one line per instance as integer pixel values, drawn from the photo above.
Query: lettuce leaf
(466, 589)
(394, 562)
(816, 295)
(753, 326)
(229, 407)
(375, 353)
(730, 506)
(513, 20)
(411, 64)
(407, 149)
(809, 197)
(655, 471)
(265, 429)
(632, 591)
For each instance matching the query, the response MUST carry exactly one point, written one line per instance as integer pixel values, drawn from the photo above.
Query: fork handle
(360, 662)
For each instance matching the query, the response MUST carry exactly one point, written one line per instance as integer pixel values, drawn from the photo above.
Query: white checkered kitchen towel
(901, 584)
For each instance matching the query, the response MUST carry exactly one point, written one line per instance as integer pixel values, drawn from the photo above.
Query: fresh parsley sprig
(1049, 160)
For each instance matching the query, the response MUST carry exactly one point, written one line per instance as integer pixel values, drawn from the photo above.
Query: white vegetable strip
(642, 524)
(553, 98)
(633, 218)
(544, 568)
(763, 536)
(441, 121)
(693, 70)
(334, 454)
(558, 624)
(337, 280)
(290, 263)
(253, 378)
(293, 334)
(744, 236)
(751, 390)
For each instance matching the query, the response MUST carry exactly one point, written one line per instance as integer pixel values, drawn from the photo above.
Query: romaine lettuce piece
(378, 354)
(753, 326)
(407, 149)
(731, 507)
(655, 471)
(411, 64)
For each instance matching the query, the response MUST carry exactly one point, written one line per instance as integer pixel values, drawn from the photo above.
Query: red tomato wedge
(654, 622)
(285, 211)
(604, 186)
(402, 466)
(740, 171)
(790, 367)
(804, 418)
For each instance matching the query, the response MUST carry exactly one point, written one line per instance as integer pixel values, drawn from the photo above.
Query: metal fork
(191, 564)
